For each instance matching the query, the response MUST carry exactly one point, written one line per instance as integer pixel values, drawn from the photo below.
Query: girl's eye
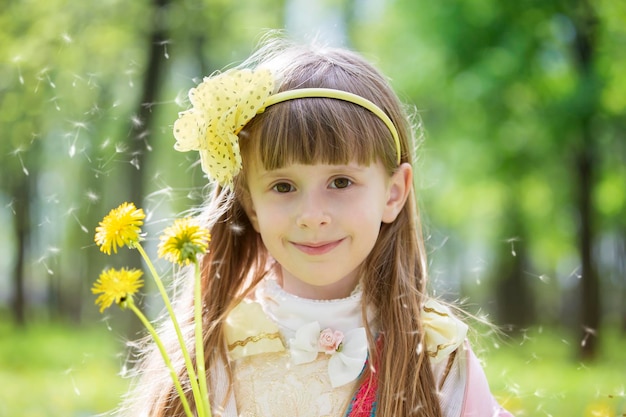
(283, 187)
(340, 183)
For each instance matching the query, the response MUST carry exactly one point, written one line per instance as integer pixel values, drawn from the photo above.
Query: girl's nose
(313, 212)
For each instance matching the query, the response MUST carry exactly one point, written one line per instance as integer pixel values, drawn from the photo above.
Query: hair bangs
(316, 130)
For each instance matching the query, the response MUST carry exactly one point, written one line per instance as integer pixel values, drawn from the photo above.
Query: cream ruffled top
(292, 356)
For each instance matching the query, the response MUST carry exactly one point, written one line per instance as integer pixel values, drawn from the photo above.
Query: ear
(248, 207)
(400, 186)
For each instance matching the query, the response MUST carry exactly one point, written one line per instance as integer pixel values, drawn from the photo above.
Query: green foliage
(50, 370)
(539, 376)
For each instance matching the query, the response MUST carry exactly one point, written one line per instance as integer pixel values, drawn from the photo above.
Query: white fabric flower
(347, 360)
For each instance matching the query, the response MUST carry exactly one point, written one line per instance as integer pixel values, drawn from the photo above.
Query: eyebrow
(332, 169)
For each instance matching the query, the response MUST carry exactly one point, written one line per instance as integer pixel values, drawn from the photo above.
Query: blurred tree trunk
(21, 223)
(621, 272)
(72, 288)
(21, 187)
(142, 122)
(585, 23)
(514, 299)
(151, 89)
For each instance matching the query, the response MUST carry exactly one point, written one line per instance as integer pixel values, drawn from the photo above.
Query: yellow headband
(223, 104)
(339, 95)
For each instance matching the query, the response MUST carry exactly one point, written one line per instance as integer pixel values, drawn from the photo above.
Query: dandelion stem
(130, 304)
(198, 305)
(181, 341)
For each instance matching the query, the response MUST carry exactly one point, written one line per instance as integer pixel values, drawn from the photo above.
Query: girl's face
(319, 222)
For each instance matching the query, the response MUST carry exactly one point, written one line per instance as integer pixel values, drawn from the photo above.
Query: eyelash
(347, 180)
(280, 184)
(333, 184)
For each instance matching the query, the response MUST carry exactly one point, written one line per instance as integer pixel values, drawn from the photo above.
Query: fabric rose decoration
(330, 341)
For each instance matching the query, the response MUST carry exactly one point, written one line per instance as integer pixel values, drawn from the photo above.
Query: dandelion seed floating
(92, 196)
(164, 44)
(17, 153)
(16, 59)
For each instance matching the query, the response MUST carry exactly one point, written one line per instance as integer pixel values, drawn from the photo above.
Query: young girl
(314, 286)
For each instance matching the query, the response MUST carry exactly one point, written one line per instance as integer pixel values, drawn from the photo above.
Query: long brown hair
(309, 131)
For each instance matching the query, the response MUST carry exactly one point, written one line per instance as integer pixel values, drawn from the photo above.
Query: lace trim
(273, 285)
(253, 339)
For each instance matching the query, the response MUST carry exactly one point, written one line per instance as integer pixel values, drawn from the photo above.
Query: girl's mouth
(317, 248)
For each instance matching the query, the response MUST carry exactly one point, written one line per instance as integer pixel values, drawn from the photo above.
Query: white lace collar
(291, 312)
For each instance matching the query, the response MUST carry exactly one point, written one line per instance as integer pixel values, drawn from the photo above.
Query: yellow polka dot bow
(222, 105)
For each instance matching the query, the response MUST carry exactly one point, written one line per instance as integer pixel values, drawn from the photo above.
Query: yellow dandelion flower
(120, 227)
(116, 285)
(183, 241)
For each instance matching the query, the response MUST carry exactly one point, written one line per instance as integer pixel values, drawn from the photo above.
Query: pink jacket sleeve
(478, 400)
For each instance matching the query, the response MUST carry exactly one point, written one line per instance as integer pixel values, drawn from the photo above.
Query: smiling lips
(319, 248)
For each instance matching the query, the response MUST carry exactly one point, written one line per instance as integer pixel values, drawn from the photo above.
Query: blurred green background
(521, 175)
